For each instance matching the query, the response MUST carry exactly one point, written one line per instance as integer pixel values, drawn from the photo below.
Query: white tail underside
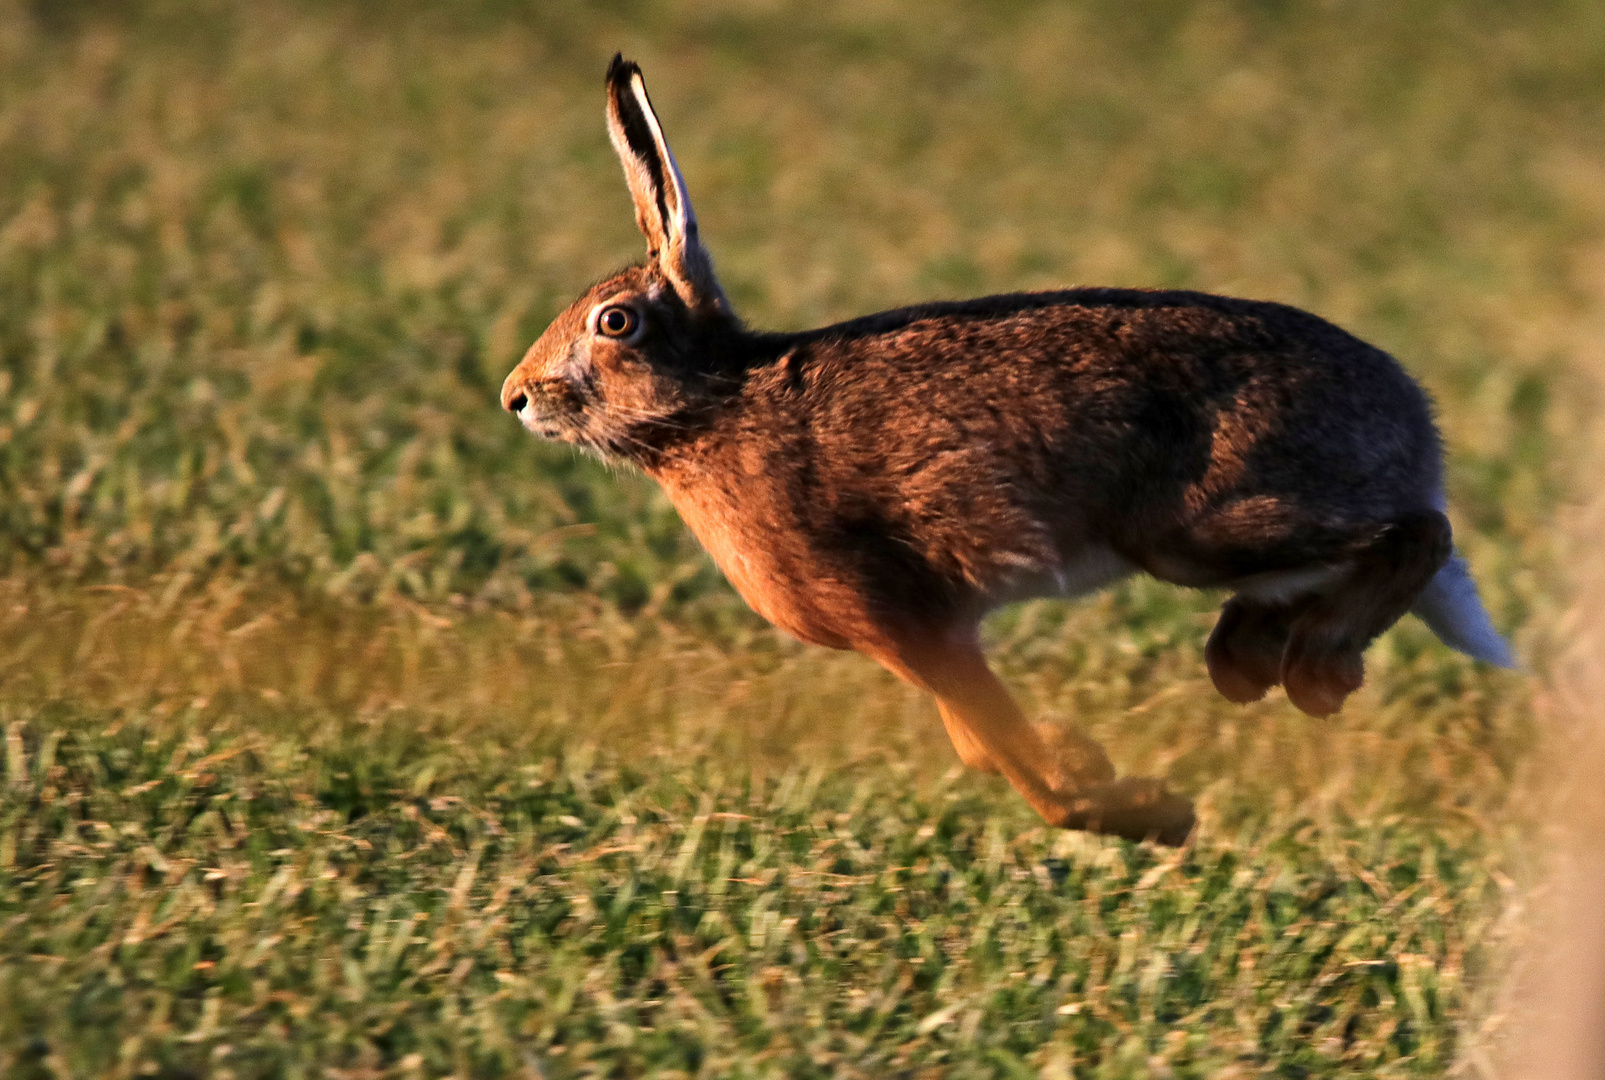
(1450, 606)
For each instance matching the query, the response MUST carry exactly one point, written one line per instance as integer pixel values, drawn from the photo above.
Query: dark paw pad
(1236, 682)
(1318, 685)
(1244, 653)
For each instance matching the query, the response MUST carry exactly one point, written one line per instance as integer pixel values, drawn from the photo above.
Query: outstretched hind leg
(1322, 662)
(1245, 649)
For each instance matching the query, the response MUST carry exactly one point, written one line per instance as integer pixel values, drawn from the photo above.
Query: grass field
(349, 732)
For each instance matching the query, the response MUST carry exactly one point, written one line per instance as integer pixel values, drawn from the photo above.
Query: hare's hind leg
(1245, 649)
(989, 731)
(1322, 663)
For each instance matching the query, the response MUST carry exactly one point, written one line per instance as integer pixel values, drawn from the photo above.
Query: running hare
(881, 484)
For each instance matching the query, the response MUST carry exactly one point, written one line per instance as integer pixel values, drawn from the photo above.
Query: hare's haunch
(881, 484)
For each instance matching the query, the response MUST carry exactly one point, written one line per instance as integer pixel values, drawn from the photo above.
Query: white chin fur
(536, 425)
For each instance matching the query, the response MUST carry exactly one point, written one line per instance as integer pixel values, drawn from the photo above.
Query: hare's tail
(1450, 606)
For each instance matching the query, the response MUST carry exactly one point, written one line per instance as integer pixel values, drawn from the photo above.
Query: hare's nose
(516, 403)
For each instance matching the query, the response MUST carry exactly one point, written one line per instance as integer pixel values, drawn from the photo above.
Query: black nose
(516, 403)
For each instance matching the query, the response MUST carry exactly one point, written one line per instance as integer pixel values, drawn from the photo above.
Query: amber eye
(616, 321)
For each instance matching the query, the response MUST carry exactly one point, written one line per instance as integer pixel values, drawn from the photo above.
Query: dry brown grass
(1548, 1018)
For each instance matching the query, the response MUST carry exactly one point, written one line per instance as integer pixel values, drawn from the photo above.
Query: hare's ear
(662, 207)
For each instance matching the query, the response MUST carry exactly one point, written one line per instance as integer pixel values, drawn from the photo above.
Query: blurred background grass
(262, 269)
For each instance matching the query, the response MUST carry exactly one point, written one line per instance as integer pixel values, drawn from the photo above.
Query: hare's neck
(743, 524)
(716, 516)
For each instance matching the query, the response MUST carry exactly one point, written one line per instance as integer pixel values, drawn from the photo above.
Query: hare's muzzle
(526, 400)
(546, 407)
(538, 396)
(515, 394)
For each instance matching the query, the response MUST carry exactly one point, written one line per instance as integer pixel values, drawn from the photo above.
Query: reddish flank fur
(881, 484)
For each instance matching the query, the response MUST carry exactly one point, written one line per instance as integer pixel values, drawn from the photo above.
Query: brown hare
(882, 483)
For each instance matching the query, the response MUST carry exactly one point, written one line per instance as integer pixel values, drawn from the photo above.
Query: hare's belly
(1077, 573)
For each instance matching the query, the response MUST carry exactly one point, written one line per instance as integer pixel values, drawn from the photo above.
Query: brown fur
(881, 484)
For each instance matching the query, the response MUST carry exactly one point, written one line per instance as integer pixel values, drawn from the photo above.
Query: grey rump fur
(882, 483)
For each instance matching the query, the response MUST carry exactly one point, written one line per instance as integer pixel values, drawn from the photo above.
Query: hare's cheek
(624, 398)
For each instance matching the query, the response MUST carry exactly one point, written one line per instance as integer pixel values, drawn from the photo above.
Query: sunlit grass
(470, 842)
(348, 728)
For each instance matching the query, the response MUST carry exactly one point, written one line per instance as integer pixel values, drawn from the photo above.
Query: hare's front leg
(989, 732)
(1073, 759)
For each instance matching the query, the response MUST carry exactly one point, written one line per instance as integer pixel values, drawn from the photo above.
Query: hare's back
(1137, 405)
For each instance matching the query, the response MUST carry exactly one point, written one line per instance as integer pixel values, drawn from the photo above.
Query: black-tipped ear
(662, 207)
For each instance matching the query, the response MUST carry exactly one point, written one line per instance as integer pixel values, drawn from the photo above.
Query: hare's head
(637, 354)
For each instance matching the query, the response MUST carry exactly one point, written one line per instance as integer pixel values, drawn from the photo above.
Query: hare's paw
(1135, 808)
(1074, 760)
(1244, 653)
(1322, 664)
(1317, 680)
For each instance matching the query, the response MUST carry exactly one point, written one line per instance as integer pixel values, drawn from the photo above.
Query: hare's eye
(616, 321)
